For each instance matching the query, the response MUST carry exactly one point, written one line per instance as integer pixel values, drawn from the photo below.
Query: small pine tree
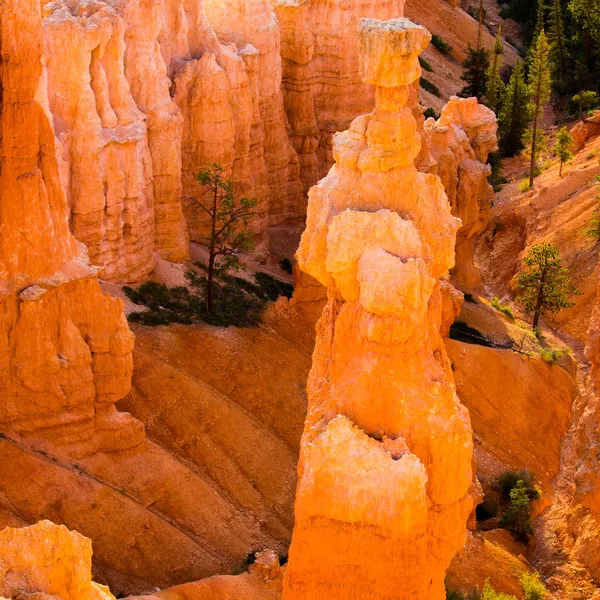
(559, 56)
(539, 90)
(475, 74)
(495, 89)
(562, 148)
(226, 240)
(585, 100)
(517, 516)
(545, 286)
(515, 114)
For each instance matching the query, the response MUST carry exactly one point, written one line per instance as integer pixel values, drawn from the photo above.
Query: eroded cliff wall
(65, 347)
(385, 463)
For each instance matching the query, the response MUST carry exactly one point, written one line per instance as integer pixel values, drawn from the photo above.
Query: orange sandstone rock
(47, 562)
(385, 464)
(456, 148)
(65, 348)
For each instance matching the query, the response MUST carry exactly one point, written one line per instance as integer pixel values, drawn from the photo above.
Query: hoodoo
(65, 347)
(385, 463)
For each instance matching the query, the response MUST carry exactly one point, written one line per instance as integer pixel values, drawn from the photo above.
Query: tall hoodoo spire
(385, 465)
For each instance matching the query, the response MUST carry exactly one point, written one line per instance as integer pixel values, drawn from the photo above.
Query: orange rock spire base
(385, 466)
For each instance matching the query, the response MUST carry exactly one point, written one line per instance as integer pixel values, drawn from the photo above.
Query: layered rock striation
(385, 464)
(65, 347)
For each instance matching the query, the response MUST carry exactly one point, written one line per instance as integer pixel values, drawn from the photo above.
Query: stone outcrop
(47, 562)
(120, 165)
(456, 148)
(65, 348)
(322, 85)
(385, 464)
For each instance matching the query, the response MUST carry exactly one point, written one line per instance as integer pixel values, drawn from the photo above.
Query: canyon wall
(65, 347)
(385, 463)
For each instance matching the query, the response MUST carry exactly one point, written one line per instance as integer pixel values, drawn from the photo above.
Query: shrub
(523, 186)
(430, 87)
(238, 302)
(489, 593)
(503, 309)
(508, 480)
(552, 356)
(440, 44)
(425, 65)
(533, 588)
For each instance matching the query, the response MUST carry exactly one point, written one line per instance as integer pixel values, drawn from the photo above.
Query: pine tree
(562, 148)
(559, 56)
(540, 22)
(587, 14)
(539, 90)
(495, 86)
(475, 74)
(545, 285)
(515, 114)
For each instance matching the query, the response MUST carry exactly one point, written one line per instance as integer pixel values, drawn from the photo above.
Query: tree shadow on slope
(237, 301)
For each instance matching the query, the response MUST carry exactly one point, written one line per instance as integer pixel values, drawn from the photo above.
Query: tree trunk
(480, 24)
(211, 252)
(560, 169)
(533, 149)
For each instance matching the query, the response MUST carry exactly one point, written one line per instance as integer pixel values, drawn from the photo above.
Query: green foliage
(238, 302)
(516, 517)
(503, 309)
(489, 593)
(562, 147)
(533, 588)
(507, 481)
(475, 73)
(426, 66)
(559, 54)
(552, 356)
(523, 185)
(227, 235)
(495, 88)
(545, 286)
(587, 14)
(539, 83)
(582, 102)
(515, 114)
(593, 229)
(430, 87)
(438, 43)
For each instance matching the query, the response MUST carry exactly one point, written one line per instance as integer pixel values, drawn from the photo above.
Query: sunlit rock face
(323, 88)
(47, 562)
(119, 160)
(456, 148)
(65, 347)
(385, 465)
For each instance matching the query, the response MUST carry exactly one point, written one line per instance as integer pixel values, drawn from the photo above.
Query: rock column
(385, 466)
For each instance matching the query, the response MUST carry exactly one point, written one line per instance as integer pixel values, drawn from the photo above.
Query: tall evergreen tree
(515, 114)
(558, 54)
(475, 74)
(540, 22)
(587, 14)
(539, 91)
(495, 86)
